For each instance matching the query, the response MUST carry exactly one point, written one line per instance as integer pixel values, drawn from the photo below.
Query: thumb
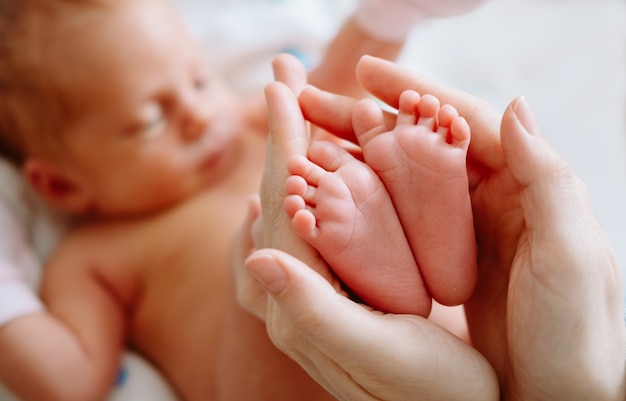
(359, 353)
(306, 301)
(554, 196)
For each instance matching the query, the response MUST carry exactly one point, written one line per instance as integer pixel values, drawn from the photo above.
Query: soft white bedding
(567, 57)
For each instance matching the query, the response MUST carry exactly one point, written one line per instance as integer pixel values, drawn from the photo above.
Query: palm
(531, 307)
(547, 310)
(487, 311)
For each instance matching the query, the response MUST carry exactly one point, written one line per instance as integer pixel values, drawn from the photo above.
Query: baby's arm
(335, 72)
(71, 351)
(377, 28)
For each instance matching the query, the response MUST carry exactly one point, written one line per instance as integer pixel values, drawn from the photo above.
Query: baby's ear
(55, 186)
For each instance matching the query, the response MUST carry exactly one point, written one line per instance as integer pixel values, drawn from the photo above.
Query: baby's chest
(186, 261)
(178, 313)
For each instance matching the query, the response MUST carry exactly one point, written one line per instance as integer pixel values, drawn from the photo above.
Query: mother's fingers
(288, 136)
(333, 112)
(288, 131)
(302, 321)
(290, 71)
(386, 81)
(329, 111)
(310, 303)
(360, 354)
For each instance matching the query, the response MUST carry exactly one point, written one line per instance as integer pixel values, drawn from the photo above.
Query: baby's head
(108, 106)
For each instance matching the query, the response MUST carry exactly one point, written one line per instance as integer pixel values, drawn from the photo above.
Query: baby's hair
(29, 103)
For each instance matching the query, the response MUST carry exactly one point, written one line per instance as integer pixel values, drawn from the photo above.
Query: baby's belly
(188, 291)
(178, 325)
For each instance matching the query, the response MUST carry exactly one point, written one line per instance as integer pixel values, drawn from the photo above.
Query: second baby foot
(422, 162)
(340, 206)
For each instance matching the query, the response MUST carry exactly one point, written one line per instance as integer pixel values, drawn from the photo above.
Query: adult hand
(360, 354)
(354, 352)
(547, 310)
(272, 229)
(289, 135)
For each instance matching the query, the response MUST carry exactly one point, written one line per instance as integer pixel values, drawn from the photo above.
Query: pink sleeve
(393, 20)
(387, 20)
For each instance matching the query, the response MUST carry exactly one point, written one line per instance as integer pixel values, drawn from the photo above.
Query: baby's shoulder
(104, 247)
(116, 255)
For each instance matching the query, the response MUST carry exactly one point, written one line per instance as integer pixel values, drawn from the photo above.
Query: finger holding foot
(288, 137)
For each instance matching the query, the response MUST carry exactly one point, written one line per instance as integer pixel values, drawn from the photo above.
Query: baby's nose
(197, 121)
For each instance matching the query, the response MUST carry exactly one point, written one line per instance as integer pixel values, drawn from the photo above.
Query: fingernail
(525, 116)
(310, 88)
(267, 271)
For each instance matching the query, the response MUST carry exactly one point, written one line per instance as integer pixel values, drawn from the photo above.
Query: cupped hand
(354, 352)
(547, 310)
(360, 354)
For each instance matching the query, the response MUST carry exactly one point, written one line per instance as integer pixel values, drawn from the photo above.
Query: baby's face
(155, 124)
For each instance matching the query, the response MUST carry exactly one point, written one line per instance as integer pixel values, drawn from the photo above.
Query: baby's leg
(340, 206)
(422, 164)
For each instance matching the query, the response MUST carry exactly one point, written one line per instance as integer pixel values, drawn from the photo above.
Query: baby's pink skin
(422, 163)
(339, 205)
(342, 208)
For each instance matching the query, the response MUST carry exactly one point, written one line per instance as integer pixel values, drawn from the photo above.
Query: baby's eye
(155, 121)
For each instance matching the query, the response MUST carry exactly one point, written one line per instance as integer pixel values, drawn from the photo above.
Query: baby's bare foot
(340, 206)
(422, 164)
